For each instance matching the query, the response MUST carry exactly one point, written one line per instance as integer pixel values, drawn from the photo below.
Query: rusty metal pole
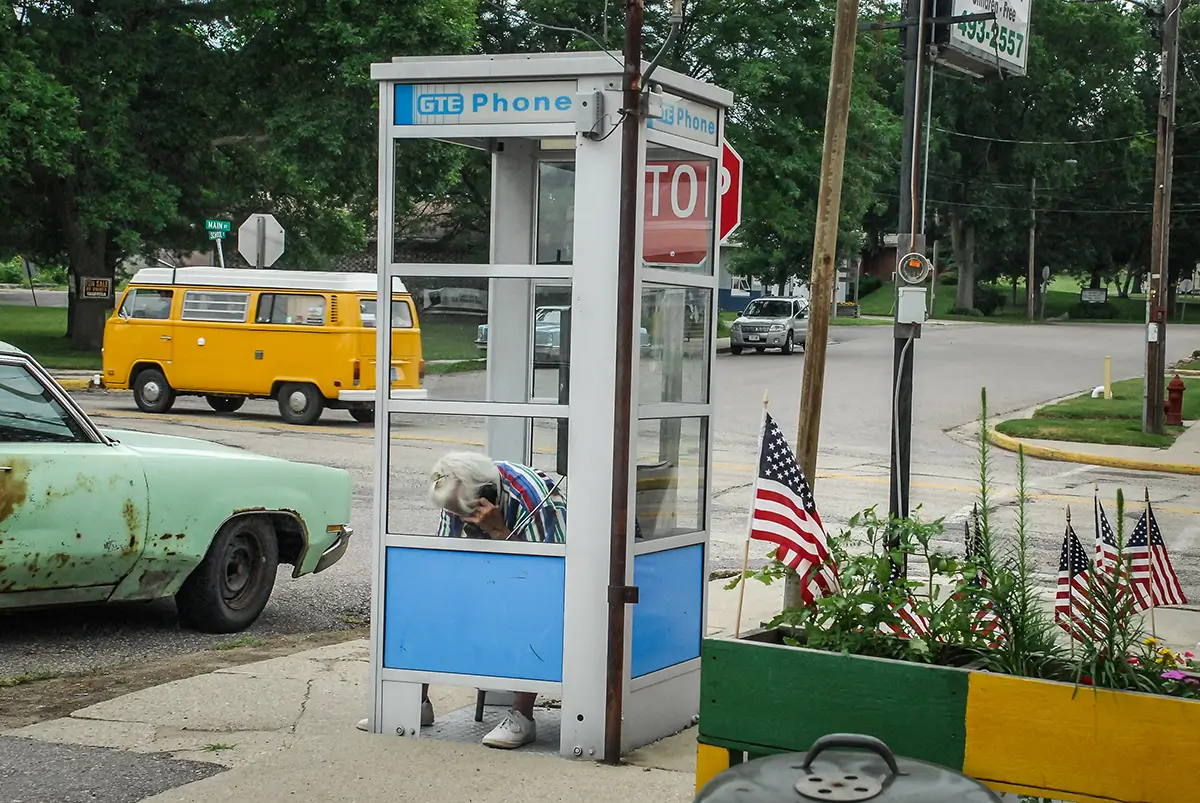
(829, 199)
(619, 595)
(1159, 286)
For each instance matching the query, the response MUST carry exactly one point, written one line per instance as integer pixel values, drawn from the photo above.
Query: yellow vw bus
(303, 338)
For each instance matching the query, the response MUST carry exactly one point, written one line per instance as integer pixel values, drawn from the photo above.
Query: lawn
(41, 331)
(449, 338)
(1061, 299)
(1117, 421)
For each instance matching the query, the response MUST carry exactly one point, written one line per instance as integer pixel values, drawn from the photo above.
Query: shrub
(11, 273)
(988, 299)
(1102, 312)
(868, 285)
(973, 313)
(949, 278)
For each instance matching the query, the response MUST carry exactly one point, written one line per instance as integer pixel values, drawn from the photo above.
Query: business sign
(687, 119)
(983, 47)
(678, 220)
(455, 299)
(1097, 296)
(95, 287)
(490, 103)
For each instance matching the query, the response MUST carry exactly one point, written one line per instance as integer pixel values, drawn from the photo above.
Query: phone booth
(513, 616)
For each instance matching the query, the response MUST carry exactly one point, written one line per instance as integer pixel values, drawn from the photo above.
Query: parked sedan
(771, 323)
(547, 336)
(90, 516)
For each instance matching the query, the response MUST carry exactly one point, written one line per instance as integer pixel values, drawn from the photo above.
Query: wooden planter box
(759, 697)
(846, 310)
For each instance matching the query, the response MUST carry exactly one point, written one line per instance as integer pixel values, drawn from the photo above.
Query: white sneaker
(514, 731)
(426, 717)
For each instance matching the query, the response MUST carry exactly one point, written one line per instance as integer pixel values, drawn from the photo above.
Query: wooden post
(1159, 286)
(829, 200)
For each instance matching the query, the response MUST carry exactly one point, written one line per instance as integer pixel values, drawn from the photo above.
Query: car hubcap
(151, 391)
(297, 401)
(242, 560)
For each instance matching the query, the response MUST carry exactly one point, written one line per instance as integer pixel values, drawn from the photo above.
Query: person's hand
(490, 519)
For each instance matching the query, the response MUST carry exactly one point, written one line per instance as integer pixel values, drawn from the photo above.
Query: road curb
(1011, 444)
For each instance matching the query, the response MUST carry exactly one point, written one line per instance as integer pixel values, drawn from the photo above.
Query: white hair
(457, 478)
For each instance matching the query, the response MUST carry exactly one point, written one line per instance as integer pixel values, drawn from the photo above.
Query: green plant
(988, 299)
(868, 285)
(234, 643)
(1097, 312)
(11, 272)
(949, 279)
(217, 748)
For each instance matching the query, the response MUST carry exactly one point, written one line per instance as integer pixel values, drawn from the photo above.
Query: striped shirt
(522, 488)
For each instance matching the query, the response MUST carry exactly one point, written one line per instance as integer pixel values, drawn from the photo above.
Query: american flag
(1106, 541)
(912, 623)
(985, 622)
(785, 515)
(1154, 580)
(1074, 610)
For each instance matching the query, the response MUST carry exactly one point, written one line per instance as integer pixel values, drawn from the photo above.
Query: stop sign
(730, 189)
(678, 215)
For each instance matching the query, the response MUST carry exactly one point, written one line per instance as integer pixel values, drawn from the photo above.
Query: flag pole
(737, 626)
(1099, 537)
(1150, 565)
(1070, 585)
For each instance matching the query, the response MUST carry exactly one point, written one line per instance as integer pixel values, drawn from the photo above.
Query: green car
(92, 516)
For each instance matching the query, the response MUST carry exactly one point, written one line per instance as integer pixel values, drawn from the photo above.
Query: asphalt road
(22, 297)
(1020, 366)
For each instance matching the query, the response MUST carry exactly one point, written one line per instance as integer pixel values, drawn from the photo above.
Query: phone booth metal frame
(519, 616)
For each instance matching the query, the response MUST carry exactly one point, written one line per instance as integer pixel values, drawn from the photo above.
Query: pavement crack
(308, 687)
(730, 489)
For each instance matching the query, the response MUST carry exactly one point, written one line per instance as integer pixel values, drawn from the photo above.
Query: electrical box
(910, 305)
(654, 104)
(589, 113)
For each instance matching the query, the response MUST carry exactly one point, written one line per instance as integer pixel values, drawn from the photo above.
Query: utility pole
(619, 595)
(1160, 233)
(1031, 281)
(915, 41)
(829, 200)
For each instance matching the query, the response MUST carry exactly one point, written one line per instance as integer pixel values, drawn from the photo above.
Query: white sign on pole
(260, 240)
(983, 47)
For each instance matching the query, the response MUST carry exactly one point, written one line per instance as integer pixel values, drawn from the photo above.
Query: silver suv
(771, 323)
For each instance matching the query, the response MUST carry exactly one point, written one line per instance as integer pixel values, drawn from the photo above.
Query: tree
(171, 112)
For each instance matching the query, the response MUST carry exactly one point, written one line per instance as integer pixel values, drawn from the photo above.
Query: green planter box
(759, 697)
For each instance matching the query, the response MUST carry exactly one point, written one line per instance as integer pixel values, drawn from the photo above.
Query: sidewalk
(284, 729)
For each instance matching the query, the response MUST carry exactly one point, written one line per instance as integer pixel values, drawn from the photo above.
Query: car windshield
(773, 308)
(29, 413)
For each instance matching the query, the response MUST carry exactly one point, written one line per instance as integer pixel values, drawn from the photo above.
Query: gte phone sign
(477, 104)
(688, 119)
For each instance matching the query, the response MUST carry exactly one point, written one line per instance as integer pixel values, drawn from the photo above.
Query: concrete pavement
(284, 728)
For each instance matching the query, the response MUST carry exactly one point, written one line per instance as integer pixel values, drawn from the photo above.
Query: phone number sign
(983, 47)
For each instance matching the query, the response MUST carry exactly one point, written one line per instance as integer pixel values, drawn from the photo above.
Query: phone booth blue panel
(474, 613)
(669, 616)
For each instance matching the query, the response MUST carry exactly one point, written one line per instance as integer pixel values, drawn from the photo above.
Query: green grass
(239, 641)
(449, 338)
(1062, 298)
(41, 331)
(724, 319)
(460, 367)
(28, 676)
(1116, 421)
(1189, 365)
(859, 322)
(217, 748)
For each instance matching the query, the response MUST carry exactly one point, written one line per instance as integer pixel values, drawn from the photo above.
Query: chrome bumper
(336, 550)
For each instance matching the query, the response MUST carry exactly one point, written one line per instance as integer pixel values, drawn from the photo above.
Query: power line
(1050, 142)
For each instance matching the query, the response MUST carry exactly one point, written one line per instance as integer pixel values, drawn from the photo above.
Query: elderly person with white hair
(504, 501)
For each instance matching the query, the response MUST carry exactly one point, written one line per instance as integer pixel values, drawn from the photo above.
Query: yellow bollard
(1108, 378)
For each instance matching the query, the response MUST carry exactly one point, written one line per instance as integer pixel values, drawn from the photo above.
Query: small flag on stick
(1074, 609)
(785, 514)
(1106, 540)
(1154, 581)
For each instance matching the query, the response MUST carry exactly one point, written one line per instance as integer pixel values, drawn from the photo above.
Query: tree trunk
(1128, 283)
(1094, 283)
(962, 237)
(85, 259)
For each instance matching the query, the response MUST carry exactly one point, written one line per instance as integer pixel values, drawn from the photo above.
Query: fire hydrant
(1174, 405)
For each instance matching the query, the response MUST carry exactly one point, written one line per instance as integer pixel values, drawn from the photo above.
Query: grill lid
(836, 768)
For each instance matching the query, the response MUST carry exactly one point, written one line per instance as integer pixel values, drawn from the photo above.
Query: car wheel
(365, 415)
(231, 586)
(735, 349)
(225, 404)
(789, 345)
(300, 403)
(152, 393)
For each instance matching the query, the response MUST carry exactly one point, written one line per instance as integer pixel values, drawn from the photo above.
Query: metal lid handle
(857, 740)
